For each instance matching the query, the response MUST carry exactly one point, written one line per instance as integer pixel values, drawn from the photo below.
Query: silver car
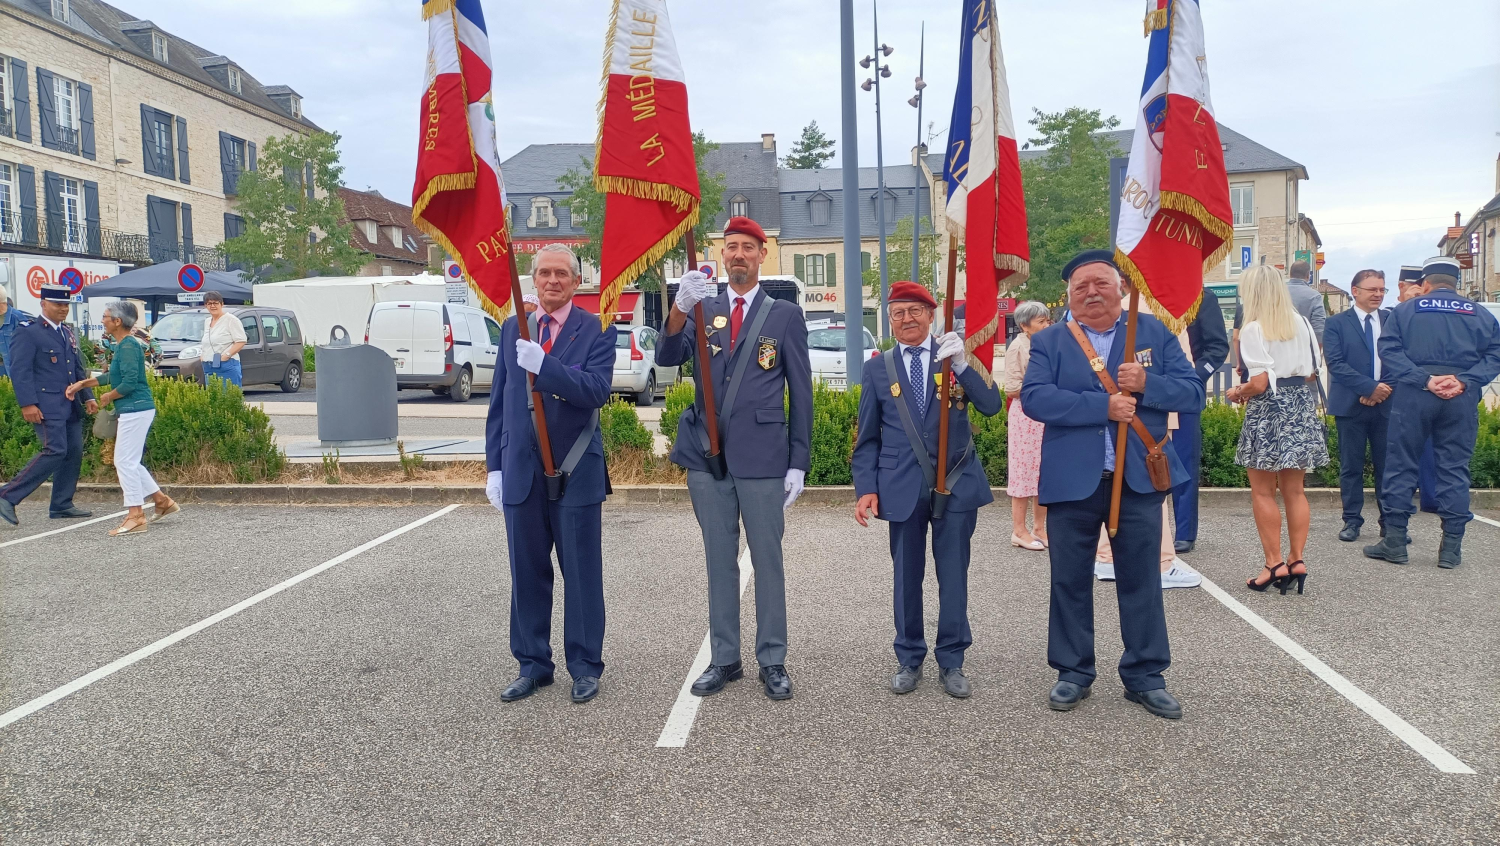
(636, 370)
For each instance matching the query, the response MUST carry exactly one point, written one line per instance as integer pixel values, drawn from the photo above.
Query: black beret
(1089, 257)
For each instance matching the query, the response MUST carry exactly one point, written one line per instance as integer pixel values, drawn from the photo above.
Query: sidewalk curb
(835, 495)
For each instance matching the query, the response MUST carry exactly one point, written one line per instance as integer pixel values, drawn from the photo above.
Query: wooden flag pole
(710, 413)
(947, 372)
(1121, 433)
(544, 441)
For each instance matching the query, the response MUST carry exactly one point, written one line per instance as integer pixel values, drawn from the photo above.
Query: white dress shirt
(1374, 318)
(923, 353)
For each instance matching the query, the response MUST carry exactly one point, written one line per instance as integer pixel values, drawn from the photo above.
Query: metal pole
(854, 310)
(885, 283)
(916, 215)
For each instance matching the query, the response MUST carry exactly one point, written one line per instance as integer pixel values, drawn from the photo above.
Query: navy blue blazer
(1349, 362)
(575, 380)
(43, 363)
(884, 463)
(1062, 392)
(764, 434)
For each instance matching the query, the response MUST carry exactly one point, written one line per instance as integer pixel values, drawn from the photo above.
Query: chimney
(1458, 219)
(768, 142)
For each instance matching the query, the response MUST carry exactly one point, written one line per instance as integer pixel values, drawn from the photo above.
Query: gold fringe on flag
(659, 191)
(1155, 19)
(436, 7)
(973, 342)
(1184, 204)
(609, 295)
(1138, 281)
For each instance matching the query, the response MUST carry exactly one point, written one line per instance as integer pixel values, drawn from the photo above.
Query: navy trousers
(1188, 441)
(60, 459)
(1367, 427)
(533, 529)
(1073, 530)
(950, 549)
(1427, 475)
(1452, 425)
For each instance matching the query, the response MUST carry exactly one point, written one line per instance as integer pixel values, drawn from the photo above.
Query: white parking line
(1404, 731)
(68, 528)
(1495, 523)
(82, 682)
(674, 734)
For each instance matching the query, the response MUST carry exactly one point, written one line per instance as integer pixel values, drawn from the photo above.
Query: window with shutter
(188, 253)
(26, 199)
(85, 120)
(819, 207)
(92, 236)
(19, 101)
(184, 173)
(799, 268)
(71, 208)
(46, 108)
(832, 262)
(10, 213)
(815, 271)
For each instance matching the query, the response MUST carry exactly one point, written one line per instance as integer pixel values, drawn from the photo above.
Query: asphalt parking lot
(361, 704)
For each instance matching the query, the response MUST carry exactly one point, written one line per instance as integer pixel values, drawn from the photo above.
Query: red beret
(745, 226)
(911, 292)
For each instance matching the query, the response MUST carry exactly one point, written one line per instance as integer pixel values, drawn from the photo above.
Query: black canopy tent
(157, 285)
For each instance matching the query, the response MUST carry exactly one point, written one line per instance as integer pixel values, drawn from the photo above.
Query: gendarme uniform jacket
(43, 362)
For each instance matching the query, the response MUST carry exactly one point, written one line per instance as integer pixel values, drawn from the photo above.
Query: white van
(450, 349)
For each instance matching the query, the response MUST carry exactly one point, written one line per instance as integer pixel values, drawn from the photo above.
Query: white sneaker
(1104, 571)
(1180, 576)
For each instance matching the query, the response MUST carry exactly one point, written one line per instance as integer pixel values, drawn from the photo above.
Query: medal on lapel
(720, 321)
(767, 354)
(1143, 358)
(896, 389)
(715, 349)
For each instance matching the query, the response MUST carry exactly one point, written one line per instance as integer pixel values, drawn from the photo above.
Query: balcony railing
(93, 241)
(67, 140)
(7, 123)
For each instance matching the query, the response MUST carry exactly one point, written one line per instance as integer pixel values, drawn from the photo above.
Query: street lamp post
(916, 214)
(881, 50)
(854, 324)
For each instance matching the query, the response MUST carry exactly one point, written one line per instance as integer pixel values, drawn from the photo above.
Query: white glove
(952, 346)
(792, 486)
(492, 490)
(692, 289)
(529, 355)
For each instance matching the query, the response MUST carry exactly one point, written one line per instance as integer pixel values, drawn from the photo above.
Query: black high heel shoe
(1299, 578)
(1275, 580)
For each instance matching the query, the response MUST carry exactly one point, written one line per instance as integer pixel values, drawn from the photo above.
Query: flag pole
(941, 488)
(710, 413)
(544, 441)
(1121, 433)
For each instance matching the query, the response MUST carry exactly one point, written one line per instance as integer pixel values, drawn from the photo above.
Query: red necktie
(736, 319)
(546, 321)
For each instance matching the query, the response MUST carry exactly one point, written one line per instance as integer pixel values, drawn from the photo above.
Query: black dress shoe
(715, 677)
(905, 680)
(524, 687)
(1066, 695)
(1183, 547)
(1159, 702)
(777, 683)
(955, 683)
(585, 688)
(8, 512)
(1350, 533)
(72, 512)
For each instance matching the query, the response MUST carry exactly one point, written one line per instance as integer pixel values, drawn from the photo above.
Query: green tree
(291, 232)
(589, 204)
(898, 256)
(810, 151)
(1067, 194)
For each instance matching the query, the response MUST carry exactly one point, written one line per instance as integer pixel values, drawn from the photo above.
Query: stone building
(384, 232)
(120, 141)
(1477, 248)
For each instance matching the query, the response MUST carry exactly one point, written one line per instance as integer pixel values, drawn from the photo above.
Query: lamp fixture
(866, 84)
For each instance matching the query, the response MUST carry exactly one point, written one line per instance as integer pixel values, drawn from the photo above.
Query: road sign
(193, 297)
(1303, 255)
(190, 278)
(71, 277)
(452, 272)
(1321, 260)
(1244, 257)
(458, 292)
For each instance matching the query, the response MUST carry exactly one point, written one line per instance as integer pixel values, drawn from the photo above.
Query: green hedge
(622, 429)
(678, 398)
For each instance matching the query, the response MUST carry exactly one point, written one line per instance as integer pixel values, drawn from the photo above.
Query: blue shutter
(92, 236)
(234, 226)
(226, 163)
(250, 153)
(46, 108)
(184, 174)
(188, 254)
(308, 183)
(148, 149)
(20, 100)
(86, 120)
(27, 186)
(52, 196)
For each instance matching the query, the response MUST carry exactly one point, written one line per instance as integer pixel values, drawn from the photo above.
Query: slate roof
(109, 25)
(361, 205)
(801, 188)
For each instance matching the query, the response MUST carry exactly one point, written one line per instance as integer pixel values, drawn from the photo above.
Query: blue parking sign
(1244, 257)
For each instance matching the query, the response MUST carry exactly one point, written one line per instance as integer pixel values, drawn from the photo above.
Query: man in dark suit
(570, 361)
(895, 461)
(1209, 343)
(758, 349)
(44, 360)
(1078, 462)
(1358, 391)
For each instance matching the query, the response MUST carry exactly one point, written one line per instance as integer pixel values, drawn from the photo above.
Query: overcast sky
(1393, 107)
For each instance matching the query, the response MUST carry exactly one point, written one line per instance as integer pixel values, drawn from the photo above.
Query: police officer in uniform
(758, 349)
(44, 360)
(1441, 349)
(895, 460)
(1409, 285)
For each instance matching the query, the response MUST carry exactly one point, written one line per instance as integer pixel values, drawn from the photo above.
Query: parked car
(449, 349)
(272, 354)
(636, 370)
(826, 342)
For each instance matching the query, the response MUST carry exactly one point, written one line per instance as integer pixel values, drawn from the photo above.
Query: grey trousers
(719, 505)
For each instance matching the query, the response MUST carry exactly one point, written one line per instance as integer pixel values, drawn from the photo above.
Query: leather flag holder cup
(1157, 466)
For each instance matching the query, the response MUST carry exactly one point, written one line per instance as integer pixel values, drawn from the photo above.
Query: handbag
(1157, 465)
(106, 424)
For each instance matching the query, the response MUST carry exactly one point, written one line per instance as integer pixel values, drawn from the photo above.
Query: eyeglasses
(899, 313)
(1368, 288)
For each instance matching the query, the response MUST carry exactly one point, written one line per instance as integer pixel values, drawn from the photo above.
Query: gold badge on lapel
(1143, 358)
(896, 389)
(720, 321)
(1097, 364)
(767, 354)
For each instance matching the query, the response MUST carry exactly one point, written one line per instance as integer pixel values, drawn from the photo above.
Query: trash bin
(356, 393)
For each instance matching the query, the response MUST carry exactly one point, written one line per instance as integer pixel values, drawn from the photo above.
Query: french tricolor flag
(459, 197)
(986, 205)
(1175, 220)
